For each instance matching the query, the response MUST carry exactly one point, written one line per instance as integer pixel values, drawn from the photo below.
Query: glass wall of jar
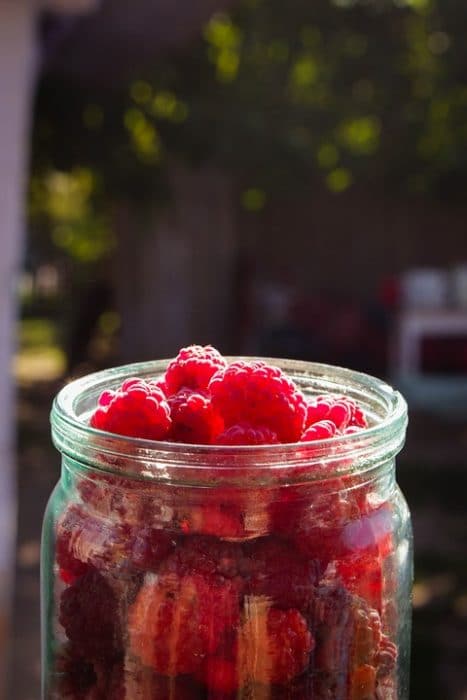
(176, 572)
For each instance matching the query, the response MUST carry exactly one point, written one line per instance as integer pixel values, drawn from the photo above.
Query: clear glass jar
(175, 572)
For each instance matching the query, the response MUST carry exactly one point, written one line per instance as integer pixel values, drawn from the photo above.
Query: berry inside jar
(278, 587)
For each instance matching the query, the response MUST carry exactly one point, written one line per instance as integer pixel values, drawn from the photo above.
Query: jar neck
(378, 479)
(359, 456)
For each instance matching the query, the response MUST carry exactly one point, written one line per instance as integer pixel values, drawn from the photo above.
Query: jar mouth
(165, 461)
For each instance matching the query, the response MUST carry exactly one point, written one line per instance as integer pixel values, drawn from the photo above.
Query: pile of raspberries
(203, 400)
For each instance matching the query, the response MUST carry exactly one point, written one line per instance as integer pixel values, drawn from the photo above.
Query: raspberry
(363, 683)
(177, 620)
(274, 644)
(149, 547)
(352, 429)
(193, 418)
(362, 574)
(142, 683)
(138, 409)
(303, 687)
(84, 540)
(370, 531)
(358, 418)
(315, 518)
(278, 573)
(350, 647)
(386, 657)
(193, 368)
(260, 395)
(89, 616)
(244, 434)
(319, 431)
(207, 556)
(116, 498)
(110, 682)
(220, 675)
(70, 566)
(367, 542)
(76, 675)
(342, 411)
(224, 520)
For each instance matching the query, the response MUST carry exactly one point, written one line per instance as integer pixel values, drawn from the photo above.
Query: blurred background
(276, 178)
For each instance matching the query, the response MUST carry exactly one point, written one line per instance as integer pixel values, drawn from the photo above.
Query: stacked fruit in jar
(181, 592)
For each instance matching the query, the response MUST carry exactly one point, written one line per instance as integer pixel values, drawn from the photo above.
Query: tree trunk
(17, 59)
(175, 273)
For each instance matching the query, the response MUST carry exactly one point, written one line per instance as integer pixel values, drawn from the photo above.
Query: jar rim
(151, 459)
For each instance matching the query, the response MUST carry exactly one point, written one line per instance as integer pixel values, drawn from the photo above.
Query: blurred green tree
(343, 90)
(276, 95)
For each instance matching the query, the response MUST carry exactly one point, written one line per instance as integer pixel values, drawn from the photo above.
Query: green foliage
(65, 200)
(280, 94)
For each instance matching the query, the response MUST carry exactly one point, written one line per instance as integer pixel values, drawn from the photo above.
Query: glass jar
(175, 572)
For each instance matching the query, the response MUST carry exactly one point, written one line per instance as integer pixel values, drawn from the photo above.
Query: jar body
(175, 589)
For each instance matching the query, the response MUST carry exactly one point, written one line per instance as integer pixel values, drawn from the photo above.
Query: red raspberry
(358, 418)
(260, 395)
(386, 657)
(224, 520)
(303, 687)
(274, 645)
(352, 429)
(276, 571)
(84, 540)
(362, 574)
(110, 682)
(89, 616)
(244, 434)
(341, 410)
(319, 431)
(137, 409)
(315, 518)
(75, 675)
(90, 541)
(71, 567)
(371, 531)
(220, 675)
(207, 556)
(363, 683)
(349, 644)
(138, 682)
(177, 620)
(126, 500)
(193, 368)
(194, 419)
(149, 547)
(367, 542)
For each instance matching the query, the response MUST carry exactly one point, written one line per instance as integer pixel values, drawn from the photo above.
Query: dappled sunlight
(38, 357)
(47, 364)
